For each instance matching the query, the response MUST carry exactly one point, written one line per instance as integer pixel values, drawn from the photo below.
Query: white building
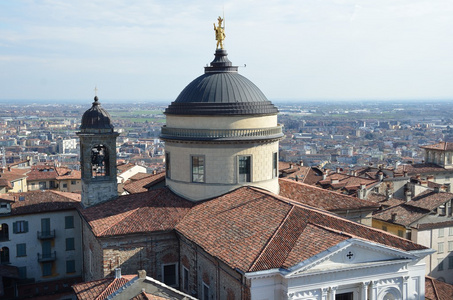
(41, 235)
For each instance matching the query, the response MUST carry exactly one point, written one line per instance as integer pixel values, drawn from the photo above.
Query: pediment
(351, 254)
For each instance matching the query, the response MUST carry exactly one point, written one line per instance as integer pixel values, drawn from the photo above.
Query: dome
(96, 118)
(221, 91)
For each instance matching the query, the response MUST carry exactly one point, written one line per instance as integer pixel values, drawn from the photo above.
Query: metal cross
(350, 255)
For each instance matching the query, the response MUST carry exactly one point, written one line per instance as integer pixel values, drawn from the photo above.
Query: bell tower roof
(96, 118)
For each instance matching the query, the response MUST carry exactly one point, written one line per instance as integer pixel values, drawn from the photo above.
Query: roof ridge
(435, 289)
(272, 237)
(101, 295)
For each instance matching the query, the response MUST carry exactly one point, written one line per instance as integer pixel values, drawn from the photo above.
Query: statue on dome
(219, 33)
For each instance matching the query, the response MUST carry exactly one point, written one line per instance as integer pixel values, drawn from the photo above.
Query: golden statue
(219, 33)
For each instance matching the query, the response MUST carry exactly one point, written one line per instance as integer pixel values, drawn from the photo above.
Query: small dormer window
(3, 205)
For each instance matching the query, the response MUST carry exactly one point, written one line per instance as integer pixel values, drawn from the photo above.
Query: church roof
(221, 91)
(253, 230)
(153, 211)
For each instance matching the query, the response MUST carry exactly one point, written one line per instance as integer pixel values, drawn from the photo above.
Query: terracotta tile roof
(100, 289)
(156, 210)
(66, 173)
(143, 184)
(430, 199)
(437, 290)
(348, 182)
(404, 214)
(439, 146)
(42, 173)
(321, 198)
(244, 229)
(419, 169)
(43, 201)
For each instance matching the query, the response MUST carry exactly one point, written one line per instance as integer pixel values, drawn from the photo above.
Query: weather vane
(219, 33)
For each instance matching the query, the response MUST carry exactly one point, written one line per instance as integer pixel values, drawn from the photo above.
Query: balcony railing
(222, 134)
(44, 257)
(45, 235)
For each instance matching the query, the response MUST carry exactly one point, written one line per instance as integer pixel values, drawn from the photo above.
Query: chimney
(337, 170)
(290, 165)
(301, 163)
(297, 178)
(405, 174)
(381, 176)
(408, 195)
(437, 189)
(362, 191)
(393, 217)
(117, 273)
(324, 175)
(141, 274)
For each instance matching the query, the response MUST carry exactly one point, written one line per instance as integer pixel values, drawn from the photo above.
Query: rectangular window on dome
(198, 169)
(244, 168)
(274, 165)
(167, 165)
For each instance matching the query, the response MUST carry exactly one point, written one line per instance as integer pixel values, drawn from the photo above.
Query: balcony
(45, 257)
(221, 134)
(45, 235)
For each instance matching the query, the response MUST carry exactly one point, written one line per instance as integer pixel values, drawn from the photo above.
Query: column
(373, 290)
(325, 294)
(364, 290)
(405, 290)
(333, 291)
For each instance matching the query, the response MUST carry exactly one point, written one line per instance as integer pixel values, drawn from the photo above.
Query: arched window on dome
(100, 166)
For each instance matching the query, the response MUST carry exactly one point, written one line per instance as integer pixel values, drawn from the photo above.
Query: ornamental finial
(219, 33)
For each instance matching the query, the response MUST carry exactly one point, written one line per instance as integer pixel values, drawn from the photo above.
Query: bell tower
(97, 156)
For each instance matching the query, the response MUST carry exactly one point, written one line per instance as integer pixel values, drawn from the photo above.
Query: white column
(364, 290)
(333, 291)
(325, 294)
(373, 290)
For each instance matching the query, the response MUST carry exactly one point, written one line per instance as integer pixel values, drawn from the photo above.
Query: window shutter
(25, 226)
(15, 227)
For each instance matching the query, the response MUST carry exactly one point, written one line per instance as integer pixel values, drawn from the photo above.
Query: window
(384, 227)
(21, 250)
(450, 231)
(73, 182)
(450, 246)
(441, 232)
(20, 227)
(45, 226)
(167, 165)
(185, 279)
(274, 165)
(244, 169)
(169, 274)
(70, 266)
(68, 222)
(100, 165)
(65, 185)
(440, 247)
(345, 296)
(205, 295)
(440, 265)
(47, 269)
(4, 255)
(70, 244)
(450, 262)
(42, 185)
(400, 233)
(198, 169)
(22, 272)
(4, 232)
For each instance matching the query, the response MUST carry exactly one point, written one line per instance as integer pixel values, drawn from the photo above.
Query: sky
(140, 50)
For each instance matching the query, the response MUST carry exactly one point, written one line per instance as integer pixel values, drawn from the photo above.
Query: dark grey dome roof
(96, 117)
(221, 91)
